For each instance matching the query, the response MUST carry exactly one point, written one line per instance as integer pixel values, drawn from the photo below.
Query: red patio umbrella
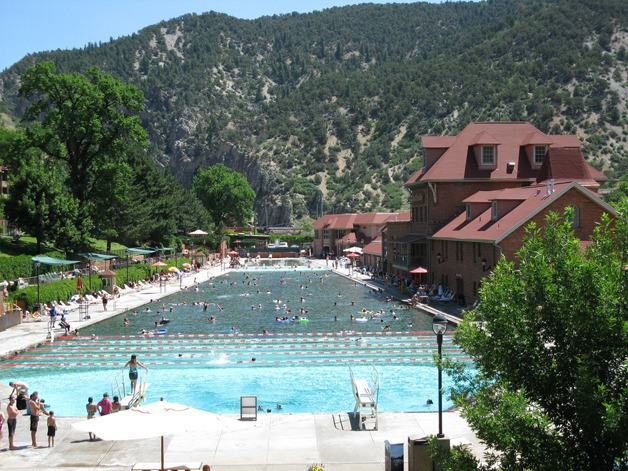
(237, 241)
(232, 252)
(353, 255)
(418, 270)
(160, 264)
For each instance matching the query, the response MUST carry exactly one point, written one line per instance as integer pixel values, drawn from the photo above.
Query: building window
(539, 154)
(494, 210)
(459, 250)
(468, 211)
(573, 215)
(325, 233)
(488, 155)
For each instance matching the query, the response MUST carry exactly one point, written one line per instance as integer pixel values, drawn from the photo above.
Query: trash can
(419, 454)
(393, 456)
(419, 458)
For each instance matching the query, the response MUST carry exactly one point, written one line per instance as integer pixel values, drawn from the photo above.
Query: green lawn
(28, 246)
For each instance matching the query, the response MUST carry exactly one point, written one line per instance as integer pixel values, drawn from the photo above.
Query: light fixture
(439, 326)
(483, 262)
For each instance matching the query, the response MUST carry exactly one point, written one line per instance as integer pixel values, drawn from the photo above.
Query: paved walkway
(275, 442)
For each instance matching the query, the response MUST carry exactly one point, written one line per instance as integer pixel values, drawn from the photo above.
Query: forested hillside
(324, 111)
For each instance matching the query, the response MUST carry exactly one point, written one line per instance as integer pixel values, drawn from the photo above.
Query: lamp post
(439, 326)
(37, 265)
(127, 265)
(89, 273)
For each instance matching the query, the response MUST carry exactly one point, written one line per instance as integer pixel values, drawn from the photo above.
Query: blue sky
(28, 26)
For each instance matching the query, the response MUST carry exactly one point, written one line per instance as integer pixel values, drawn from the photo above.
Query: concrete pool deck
(275, 442)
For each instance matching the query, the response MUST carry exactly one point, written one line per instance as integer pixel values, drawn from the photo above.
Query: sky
(28, 26)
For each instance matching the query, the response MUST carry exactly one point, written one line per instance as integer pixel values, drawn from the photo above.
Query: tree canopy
(226, 194)
(79, 168)
(550, 344)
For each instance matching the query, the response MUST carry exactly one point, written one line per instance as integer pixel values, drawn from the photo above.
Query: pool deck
(275, 442)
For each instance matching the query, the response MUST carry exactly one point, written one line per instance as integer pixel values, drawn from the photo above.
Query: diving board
(366, 396)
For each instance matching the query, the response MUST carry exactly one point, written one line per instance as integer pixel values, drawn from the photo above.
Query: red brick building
(335, 232)
(476, 194)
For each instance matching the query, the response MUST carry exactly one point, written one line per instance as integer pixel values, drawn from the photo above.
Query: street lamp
(127, 265)
(37, 265)
(439, 326)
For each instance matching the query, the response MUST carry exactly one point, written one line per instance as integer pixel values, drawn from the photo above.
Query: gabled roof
(459, 163)
(350, 220)
(534, 199)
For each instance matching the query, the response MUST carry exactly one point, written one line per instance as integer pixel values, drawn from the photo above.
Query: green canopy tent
(48, 261)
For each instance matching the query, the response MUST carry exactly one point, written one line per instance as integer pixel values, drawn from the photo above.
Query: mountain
(323, 112)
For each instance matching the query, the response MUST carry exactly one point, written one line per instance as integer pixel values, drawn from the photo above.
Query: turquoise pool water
(304, 366)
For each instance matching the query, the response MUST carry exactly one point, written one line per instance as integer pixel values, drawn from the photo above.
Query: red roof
(533, 199)
(348, 221)
(374, 248)
(459, 163)
(566, 165)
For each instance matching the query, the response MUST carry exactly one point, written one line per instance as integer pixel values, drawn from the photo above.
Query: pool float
(164, 321)
(304, 320)
(161, 331)
(361, 319)
(283, 321)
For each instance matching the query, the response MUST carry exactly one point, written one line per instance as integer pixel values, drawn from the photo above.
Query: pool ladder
(133, 398)
(366, 396)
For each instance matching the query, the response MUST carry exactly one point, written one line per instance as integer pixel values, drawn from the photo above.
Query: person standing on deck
(36, 407)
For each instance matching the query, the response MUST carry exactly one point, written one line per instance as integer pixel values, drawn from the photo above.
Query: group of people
(35, 407)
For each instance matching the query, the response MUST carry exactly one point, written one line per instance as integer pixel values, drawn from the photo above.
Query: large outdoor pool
(236, 347)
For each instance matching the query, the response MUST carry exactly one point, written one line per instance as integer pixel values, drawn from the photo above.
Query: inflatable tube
(304, 321)
(161, 331)
(361, 319)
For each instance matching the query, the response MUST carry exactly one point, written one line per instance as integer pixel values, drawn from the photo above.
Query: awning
(54, 261)
(97, 256)
(142, 251)
(408, 239)
(166, 249)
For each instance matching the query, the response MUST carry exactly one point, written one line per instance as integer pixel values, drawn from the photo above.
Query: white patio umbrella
(198, 232)
(353, 250)
(155, 420)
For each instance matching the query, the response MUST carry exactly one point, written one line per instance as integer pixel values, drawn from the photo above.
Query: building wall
(450, 196)
(468, 268)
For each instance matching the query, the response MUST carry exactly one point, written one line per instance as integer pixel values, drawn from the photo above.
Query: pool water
(304, 366)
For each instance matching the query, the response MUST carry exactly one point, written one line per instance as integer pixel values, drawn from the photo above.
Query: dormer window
(539, 154)
(468, 211)
(494, 210)
(488, 155)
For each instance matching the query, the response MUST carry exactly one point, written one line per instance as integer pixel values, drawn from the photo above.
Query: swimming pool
(304, 366)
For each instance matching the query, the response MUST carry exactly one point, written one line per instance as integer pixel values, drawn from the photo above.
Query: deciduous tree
(226, 194)
(550, 343)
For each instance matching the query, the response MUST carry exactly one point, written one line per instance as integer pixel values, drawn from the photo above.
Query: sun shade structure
(353, 255)
(198, 232)
(97, 256)
(142, 251)
(156, 420)
(353, 250)
(54, 261)
(418, 270)
(160, 264)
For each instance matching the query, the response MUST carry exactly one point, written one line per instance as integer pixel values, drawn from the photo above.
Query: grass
(28, 246)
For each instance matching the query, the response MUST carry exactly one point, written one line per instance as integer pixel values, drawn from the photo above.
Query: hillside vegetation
(324, 111)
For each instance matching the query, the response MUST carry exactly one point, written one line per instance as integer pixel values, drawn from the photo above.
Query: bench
(195, 465)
